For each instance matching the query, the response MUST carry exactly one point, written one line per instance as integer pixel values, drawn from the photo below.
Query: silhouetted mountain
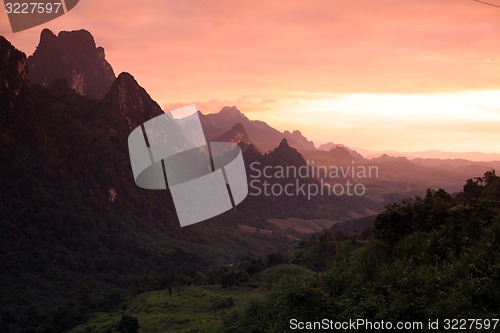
(285, 168)
(237, 134)
(415, 176)
(470, 156)
(285, 155)
(299, 141)
(13, 73)
(435, 154)
(339, 150)
(329, 145)
(127, 98)
(74, 57)
(261, 134)
(469, 167)
(387, 158)
(230, 114)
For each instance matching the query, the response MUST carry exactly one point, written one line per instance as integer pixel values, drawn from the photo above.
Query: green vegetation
(431, 257)
(435, 257)
(183, 309)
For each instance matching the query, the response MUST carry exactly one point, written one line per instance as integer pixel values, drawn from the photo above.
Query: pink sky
(380, 74)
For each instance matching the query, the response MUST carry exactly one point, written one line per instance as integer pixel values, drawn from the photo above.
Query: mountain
(261, 134)
(336, 153)
(72, 56)
(237, 134)
(330, 145)
(435, 154)
(300, 141)
(13, 74)
(128, 99)
(284, 152)
(471, 156)
(282, 185)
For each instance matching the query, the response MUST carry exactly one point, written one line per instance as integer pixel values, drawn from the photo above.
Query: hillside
(430, 258)
(433, 258)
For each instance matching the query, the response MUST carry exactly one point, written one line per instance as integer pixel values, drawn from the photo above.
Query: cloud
(244, 104)
(258, 54)
(345, 46)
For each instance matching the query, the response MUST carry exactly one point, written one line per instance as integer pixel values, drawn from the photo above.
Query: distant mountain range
(435, 154)
(262, 135)
(428, 154)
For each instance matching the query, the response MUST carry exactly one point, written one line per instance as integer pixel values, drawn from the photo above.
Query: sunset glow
(382, 75)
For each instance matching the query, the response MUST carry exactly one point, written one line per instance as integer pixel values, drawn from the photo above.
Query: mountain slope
(261, 134)
(128, 99)
(237, 134)
(300, 141)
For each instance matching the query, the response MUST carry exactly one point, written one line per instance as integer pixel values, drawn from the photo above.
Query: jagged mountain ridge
(265, 137)
(72, 56)
(302, 142)
(284, 152)
(131, 101)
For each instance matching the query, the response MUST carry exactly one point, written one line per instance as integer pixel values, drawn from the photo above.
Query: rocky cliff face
(127, 98)
(72, 56)
(237, 134)
(13, 72)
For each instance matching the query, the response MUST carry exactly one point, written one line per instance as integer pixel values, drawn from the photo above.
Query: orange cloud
(221, 50)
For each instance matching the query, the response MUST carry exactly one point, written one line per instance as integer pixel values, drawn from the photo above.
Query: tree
(128, 324)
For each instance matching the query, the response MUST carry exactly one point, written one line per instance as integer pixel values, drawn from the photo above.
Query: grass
(186, 309)
(191, 308)
(276, 274)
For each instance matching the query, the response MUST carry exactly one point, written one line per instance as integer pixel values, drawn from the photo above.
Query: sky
(400, 75)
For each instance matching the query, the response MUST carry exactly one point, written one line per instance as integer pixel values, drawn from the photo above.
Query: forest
(431, 258)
